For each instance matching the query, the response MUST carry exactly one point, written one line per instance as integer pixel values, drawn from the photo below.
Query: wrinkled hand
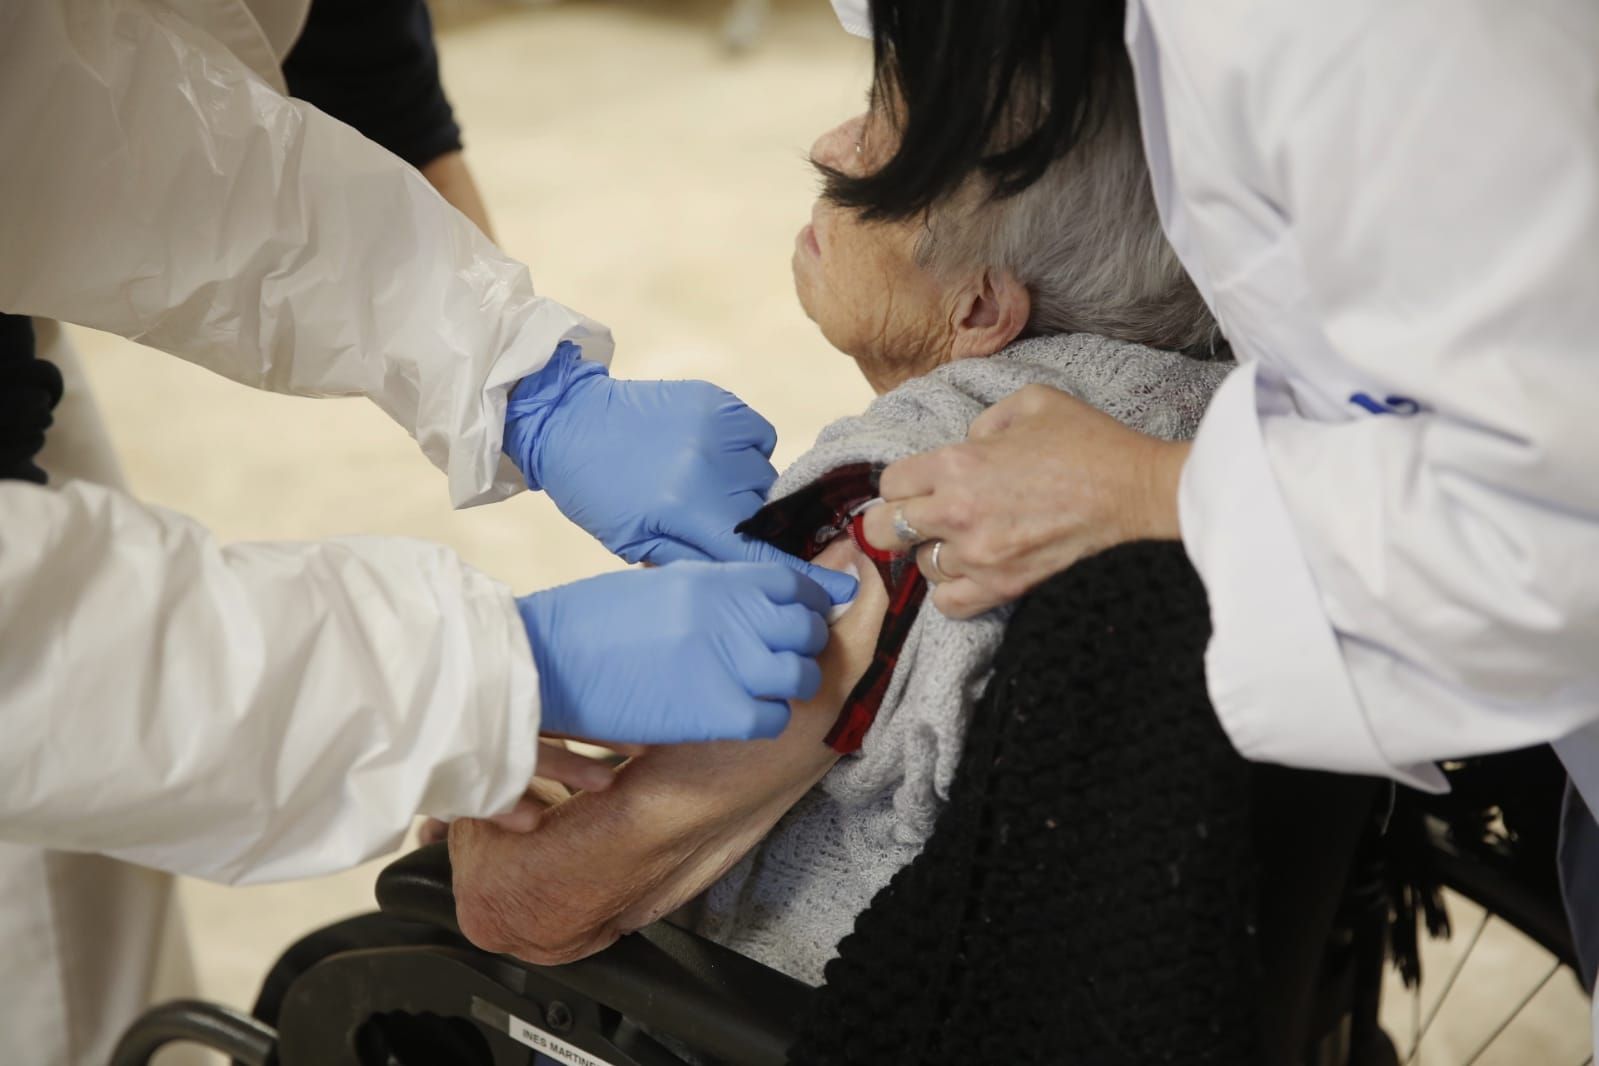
(1042, 481)
(657, 471)
(558, 773)
(676, 819)
(687, 652)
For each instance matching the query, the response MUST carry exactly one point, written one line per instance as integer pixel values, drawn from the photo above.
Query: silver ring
(937, 572)
(904, 530)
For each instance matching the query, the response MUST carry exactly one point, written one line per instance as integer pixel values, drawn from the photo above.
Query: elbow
(531, 923)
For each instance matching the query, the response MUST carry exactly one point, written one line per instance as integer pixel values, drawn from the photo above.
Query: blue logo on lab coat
(1390, 405)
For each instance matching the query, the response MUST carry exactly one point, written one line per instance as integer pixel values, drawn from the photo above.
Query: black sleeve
(29, 390)
(373, 65)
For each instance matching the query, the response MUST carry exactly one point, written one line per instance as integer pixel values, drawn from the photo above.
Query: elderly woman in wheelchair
(1020, 838)
(1069, 283)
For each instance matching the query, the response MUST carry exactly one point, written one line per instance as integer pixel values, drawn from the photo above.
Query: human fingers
(964, 598)
(759, 664)
(1024, 402)
(431, 831)
(797, 629)
(761, 719)
(917, 475)
(704, 527)
(899, 525)
(722, 545)
(627, 751)
(528, 814)
(740, 425)
(917, 494)
(837, 586)
(780, 675)
(781, 580)
(742, 505)
(665, 550)
(939, 562)
(745, 469)
(580, 773)
(522, 818)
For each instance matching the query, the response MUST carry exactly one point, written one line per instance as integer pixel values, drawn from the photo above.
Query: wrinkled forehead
(855, 16)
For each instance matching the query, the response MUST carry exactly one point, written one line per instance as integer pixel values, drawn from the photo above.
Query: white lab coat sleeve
(1388, 591)
(246, 712)
(157, 189)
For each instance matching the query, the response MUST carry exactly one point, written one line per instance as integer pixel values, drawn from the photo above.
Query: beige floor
(655, 181)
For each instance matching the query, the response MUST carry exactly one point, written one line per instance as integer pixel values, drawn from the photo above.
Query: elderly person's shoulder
(1161, 392)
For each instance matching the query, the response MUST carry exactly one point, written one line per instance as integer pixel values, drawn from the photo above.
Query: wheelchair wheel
(1485, 855)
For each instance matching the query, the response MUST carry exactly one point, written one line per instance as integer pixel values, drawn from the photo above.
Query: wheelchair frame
(612, 1009)
(664, 984)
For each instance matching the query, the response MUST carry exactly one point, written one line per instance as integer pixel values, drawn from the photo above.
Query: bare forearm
(605, 863)
(720, 780)
(675, 820)
(450, 175)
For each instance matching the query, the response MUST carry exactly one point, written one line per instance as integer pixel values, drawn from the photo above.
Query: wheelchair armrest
(418, 888)
(665, 979)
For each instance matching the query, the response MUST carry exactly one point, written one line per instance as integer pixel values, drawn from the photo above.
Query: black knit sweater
(1088, 896)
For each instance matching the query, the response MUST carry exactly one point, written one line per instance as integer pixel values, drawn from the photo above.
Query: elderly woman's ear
(989, 313)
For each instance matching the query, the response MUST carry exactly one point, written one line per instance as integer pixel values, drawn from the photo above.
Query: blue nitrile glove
(658, 471)
(690, 651)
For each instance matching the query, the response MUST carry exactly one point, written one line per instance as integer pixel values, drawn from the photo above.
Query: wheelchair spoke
(1449, 984)
(1528, 998)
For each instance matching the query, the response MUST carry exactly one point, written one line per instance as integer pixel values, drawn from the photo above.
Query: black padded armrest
(663, 978)
(417, 887)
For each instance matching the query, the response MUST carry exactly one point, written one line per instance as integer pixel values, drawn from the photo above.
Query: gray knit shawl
(791, 899)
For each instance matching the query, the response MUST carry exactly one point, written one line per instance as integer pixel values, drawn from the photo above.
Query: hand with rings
(928, 552)
(927, 558)
(1042, 480)
(904, 532)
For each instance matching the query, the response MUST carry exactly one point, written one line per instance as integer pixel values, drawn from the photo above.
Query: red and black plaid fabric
(811, 519)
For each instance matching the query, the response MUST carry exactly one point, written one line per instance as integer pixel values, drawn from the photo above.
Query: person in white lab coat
(1393, 210)
(260, 711)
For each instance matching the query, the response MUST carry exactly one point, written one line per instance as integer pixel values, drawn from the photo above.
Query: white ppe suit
(252, 711)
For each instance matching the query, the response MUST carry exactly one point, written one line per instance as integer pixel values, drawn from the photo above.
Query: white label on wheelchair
(549, 1044)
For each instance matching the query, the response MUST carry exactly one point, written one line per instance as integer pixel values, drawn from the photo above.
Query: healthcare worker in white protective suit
(260, 711)
(1392, 206)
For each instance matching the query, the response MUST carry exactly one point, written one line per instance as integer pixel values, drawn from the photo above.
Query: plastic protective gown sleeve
(1389, 591)
(158, 189)
(248, 712)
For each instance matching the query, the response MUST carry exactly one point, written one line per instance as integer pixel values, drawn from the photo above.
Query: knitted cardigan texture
(1087, 897)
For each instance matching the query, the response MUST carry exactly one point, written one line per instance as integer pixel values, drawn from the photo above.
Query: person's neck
(887, 373)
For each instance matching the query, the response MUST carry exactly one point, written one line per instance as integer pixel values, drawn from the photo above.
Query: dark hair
(998, 87)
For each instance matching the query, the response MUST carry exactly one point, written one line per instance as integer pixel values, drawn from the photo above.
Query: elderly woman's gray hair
(1085, 239)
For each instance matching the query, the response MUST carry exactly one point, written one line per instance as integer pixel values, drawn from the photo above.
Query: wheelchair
(665, 997)
(613, 1009)
(1341, 870)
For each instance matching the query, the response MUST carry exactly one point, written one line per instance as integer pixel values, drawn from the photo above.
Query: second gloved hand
(687, 652)
(658, 471)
